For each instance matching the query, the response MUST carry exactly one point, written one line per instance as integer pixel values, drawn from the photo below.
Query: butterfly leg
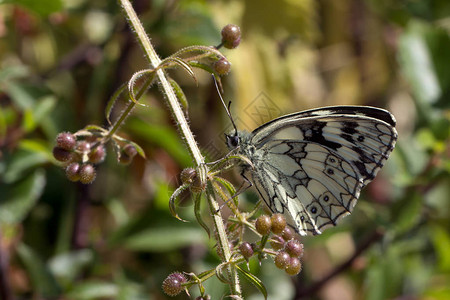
(239, 191)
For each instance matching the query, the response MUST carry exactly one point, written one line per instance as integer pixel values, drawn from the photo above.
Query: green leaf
(182, 64)
(198, 49)
(66, 217)
(412, 159)
(41, 7)
(442, 293)
(21, 162)
(409, 213)
(118, 211)
(129, 290)
(40, 110)
(172, 201)
(165, 238)
(20, 96)
(162, 196)
(13, 72)
(3, 124)
(138, 148)
(66, 267)
(198, 215)
(37, 146)
(202, 66)
(131, 84)
(418, 66)
(441, 241)
(385, 274)
(254, 280)
(376, 287)
(91, 130)
(228, 186)
(93, 289)
(423, 59)
(180, 94)
(42, 280)
(112, 101)
(20, 198)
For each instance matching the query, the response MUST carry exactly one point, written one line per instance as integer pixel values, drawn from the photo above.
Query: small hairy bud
(278, 223)
(97, 155)
(294, 267)
(127, 154)
(246, 250)
(172, 285)
(66, 141)
(87, 174)
(83, 147)
(263, 224)
(287, 233)
(222, 66)
(124, 159)
(294, 248)
(188, 175)
(282, 260)
(231, 36)
(73, 172)
(130, 150)
(61, 154)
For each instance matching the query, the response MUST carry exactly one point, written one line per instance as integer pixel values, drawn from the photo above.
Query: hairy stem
(222, 238)
(172, 100)
(187, 137)
(124, 114)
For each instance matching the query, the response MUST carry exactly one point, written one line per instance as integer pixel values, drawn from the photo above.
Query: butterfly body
(311, 166)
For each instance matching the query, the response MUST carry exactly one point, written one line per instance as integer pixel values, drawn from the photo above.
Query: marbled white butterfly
(311, 165)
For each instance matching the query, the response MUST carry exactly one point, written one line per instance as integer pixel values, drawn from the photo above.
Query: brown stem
(5, 288)
(81, 221)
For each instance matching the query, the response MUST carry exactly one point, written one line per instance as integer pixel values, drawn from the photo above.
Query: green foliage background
(60, 61)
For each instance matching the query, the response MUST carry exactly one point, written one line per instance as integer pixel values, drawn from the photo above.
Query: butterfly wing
(312, 165)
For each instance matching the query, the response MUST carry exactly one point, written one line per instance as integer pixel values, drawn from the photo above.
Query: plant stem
(5, 288)
(187, 137)
(124, 114)
(154, 60)
(222, 238)
(81, 221)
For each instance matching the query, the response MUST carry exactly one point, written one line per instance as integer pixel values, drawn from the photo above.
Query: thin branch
(5, 288)
(222, 239)
(81, 221)
(171, 98)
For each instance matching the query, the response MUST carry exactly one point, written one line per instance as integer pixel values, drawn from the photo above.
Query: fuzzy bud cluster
(289, 249)
(80, 154)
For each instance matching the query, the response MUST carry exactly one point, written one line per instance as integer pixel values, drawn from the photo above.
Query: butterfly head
(233, 140)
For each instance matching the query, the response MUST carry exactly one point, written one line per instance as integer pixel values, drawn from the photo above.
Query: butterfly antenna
(227, 108)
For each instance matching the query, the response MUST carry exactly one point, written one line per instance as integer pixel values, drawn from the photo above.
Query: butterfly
(311, 165)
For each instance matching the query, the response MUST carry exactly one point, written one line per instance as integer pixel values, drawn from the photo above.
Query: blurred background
(61, 60)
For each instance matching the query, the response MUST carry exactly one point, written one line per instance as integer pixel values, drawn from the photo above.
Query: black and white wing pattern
(311, 166)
